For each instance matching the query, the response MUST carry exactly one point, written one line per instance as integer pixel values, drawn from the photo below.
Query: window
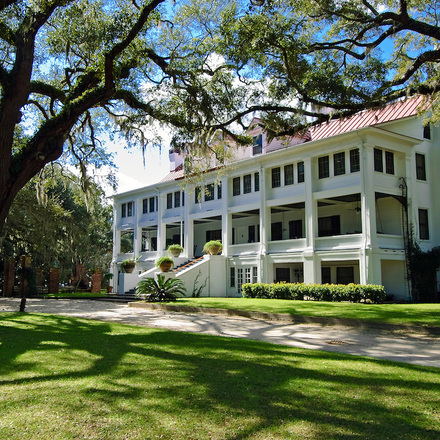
(276, 177)
(355, 164)
(378, 160)
(197, 195)
(258, 145)
(339, 163)
(423, 224)
(328, 226)
(255, 274)
(183, 198)
(288, 175)
(232, 277)
(427, 132)
(344, 275)
(251, 234)
(124, 210)
(247, 184)
(276, 231)
(326, 275)
(169, 200)
(420, 166)
(154, 244)
(213, 234)
(152, 209)
(177, 199)
(389, 162)
(239, 279)
(219, 190)
(144, 241)
(300, 172)
(247, 275)
(144, 206)
(209, 192)
(236, 186)
(323, 167)
(295, 229)
(130, 206)
(257, 181)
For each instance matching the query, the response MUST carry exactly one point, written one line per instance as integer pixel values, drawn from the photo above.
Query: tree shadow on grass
(235, 389)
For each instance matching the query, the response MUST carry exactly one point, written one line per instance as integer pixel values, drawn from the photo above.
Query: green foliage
(175, 248)
(161, 290)
(60, 228)
(316, 292)
(164, 260)
(424, 266)
(212, 244)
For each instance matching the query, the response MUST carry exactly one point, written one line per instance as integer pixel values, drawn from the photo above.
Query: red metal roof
(367, 118)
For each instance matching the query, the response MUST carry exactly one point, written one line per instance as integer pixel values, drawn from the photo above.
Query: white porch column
(410, 178)
(368, 198)
(311, 207)
(264, 213)
(137, 232)
(226, 218)
(310, 268)
(161, 227)
(188, 225)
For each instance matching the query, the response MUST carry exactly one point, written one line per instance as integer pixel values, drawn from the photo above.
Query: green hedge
(316, 292)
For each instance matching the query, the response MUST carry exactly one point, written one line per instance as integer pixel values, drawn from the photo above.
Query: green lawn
(75, 295)
(418, 314)
(66, 378)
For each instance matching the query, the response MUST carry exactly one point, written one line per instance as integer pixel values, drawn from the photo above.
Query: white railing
(388, 241)
(350, 241)
(244, 249)
(296, 245)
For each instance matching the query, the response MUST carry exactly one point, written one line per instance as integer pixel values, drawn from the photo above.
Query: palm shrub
(161, 290)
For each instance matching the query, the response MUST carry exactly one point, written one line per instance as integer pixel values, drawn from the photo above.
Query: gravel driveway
(380, 344)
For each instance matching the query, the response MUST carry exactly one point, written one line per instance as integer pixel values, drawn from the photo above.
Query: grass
(410, 314)
(67, 378)
(75, 295)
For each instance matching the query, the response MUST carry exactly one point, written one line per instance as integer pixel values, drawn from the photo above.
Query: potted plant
(106, 284)
(175, 250)
(160, 290)
(165, 264)
(213, 247)
(129, 265)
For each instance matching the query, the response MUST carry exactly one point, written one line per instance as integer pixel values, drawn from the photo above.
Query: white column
(137, 234)
(226, 218)
(161, 227)
(410, 178)
(368, 198)
(188, 238)
(311, 206)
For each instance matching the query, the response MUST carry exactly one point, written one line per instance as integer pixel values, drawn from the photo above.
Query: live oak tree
(338, 57)
(70, 67)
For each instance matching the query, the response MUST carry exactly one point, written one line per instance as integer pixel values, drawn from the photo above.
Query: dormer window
(258, 145)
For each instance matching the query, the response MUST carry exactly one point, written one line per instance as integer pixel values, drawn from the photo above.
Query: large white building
(334, 206)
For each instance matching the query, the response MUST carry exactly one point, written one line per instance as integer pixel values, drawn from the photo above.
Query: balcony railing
(388, 241)
(278, 246)
(351, 241)
(244, 249)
